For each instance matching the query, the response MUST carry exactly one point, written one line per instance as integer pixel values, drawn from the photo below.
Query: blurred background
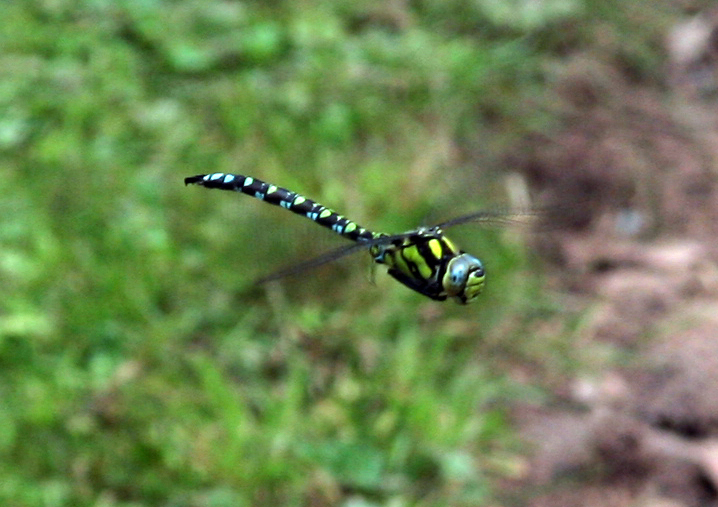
(139, 364)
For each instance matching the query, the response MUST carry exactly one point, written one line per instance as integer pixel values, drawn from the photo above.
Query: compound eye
(458, 274)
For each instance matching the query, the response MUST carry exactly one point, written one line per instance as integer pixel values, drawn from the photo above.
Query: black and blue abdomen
(286, 199)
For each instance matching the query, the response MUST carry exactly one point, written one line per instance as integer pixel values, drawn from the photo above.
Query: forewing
(541, 219)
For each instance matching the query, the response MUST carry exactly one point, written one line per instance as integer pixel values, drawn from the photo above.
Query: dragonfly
(424, 259)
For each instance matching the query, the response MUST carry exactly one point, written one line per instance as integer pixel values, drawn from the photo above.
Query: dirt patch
(644, 250)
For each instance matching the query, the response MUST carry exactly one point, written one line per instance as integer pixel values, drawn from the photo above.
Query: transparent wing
(330, 256)
(498, 218)
(542, 218)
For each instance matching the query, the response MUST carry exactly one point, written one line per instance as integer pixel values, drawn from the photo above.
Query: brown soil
(643, 251)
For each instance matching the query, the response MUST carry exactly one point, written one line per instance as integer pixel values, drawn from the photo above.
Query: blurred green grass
(139, 364)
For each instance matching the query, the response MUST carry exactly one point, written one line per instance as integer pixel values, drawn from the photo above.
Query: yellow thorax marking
(412, 254)
(435, 247)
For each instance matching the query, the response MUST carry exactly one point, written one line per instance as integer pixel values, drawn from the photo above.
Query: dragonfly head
(464, 278)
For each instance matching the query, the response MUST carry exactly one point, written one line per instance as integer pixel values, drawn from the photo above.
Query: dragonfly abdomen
(287, 199)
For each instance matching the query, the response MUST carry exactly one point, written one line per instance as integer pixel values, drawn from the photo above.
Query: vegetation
(140, 365)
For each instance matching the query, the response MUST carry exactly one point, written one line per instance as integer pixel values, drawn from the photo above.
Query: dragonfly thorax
(428, 262)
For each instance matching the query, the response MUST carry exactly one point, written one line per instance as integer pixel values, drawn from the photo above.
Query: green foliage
(139, 364)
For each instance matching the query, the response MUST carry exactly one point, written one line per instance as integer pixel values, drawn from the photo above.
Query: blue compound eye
(462, 271)
(464, 279)
(458, 274)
